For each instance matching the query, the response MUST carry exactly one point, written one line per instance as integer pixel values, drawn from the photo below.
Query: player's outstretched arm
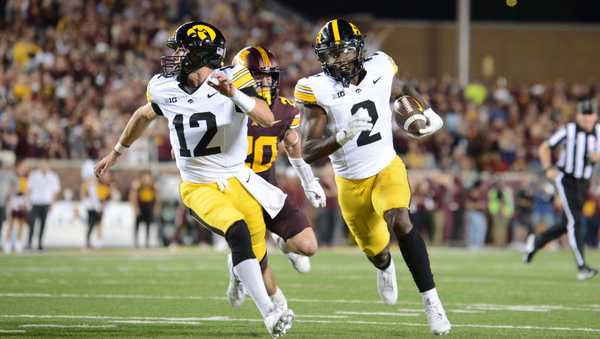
(310, 184)
(136, 125)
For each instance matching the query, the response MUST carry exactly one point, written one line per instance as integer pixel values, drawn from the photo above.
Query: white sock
(279, 299)
(431, 297)
(281, 244)
(248, 271)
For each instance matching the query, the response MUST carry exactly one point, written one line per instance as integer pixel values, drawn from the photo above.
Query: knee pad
(240, 242)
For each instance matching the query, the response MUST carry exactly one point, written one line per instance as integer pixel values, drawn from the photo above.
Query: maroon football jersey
(262, 141)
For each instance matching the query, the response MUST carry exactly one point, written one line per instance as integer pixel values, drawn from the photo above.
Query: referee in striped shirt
(580, 149)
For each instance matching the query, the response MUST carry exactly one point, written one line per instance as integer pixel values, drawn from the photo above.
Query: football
(408, 112)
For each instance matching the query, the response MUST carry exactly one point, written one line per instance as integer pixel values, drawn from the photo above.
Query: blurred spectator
(522, 222)
(440, 211)
(7, 180)
(44, 186)
(589, 220)
(501, 208)
(94, 195)
(18, 204)
(142, 197)
(544, 213)
(475, 215)
(422, 207)
(456, 204)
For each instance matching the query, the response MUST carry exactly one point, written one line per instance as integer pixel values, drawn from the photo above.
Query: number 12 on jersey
(201, 148)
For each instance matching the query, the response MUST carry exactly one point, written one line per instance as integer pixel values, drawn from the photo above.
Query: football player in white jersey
(207, 108)
(347, 116)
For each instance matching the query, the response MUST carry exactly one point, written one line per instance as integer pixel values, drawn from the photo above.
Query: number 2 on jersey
(365, 137)
(211, 130)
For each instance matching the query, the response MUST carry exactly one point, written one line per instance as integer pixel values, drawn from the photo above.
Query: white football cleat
(279, 322)
(436, 316)
(387, 285)
(235, 290)
(301, 263)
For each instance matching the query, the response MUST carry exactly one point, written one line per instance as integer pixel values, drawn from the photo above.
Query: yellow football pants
(364, 201)
(219, 210)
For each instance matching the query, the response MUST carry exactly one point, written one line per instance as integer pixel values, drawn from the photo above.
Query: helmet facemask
(171, 64)
(267, 83)
(342, 61)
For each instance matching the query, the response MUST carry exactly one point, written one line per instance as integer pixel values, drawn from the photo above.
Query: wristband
(303, 170)
(244, 102)
(120, 148)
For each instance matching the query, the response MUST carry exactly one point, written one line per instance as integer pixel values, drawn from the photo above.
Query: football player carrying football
(347, 116)
(207, 108)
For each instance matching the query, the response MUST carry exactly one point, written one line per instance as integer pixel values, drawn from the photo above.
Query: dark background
(482, 10)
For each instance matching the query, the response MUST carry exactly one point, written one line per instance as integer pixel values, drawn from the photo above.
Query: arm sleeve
(556, 138)
(295, 121)
(304, 94)
(292, 113)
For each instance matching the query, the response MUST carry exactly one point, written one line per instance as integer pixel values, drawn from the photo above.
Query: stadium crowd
(72, 72)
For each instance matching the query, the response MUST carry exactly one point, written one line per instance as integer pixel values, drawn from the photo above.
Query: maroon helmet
(260, 60)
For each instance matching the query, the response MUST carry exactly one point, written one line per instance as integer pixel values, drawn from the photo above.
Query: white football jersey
(207, 133)
(369, 152)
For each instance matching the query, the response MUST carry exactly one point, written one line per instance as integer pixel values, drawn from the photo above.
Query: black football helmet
(196, 44)
(339, 46)
(259, 60)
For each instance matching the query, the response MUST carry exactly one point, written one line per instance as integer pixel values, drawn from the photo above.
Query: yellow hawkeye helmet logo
(202, 31)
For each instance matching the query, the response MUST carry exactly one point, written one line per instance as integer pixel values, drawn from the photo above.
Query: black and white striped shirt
(578, 145)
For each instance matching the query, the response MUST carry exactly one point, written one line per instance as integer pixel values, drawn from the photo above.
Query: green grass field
(181, 294)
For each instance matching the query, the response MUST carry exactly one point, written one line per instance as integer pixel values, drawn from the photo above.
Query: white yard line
(393, 314)
(190, 320)
(461, 307)
(12, 331)
(66, 326)
(156, 322)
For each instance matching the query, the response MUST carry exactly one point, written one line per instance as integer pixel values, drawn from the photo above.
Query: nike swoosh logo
(375, 81)
(249, 176)
(211, 95)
